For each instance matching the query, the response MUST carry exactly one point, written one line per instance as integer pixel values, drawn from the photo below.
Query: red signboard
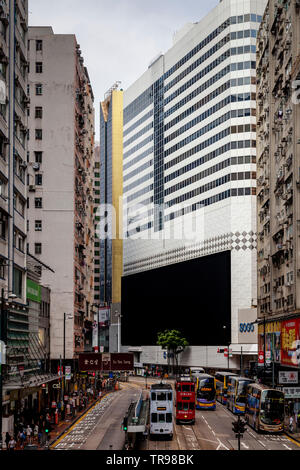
(290, 342)
(260, 357)
(106, 361)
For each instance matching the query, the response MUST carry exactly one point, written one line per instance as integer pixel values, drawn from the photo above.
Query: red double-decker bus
(185, 400)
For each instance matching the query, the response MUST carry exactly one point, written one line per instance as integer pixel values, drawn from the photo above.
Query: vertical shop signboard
(290, 342)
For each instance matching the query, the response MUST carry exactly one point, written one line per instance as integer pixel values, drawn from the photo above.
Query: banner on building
(68, 372)
(33, 291)
(104, 315)
(272, 340)
(290, 342)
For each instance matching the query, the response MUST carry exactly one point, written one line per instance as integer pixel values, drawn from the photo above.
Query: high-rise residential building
(189, 172)
(111, 188)
(60, 206)
(278, 184)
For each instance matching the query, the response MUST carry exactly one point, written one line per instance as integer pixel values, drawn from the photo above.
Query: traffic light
(242, 426)
(235, 427)
(47, 430)
(125, 422)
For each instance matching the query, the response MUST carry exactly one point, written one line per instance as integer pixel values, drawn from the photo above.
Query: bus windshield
(206, 389)
(241, 391)
(272, 407)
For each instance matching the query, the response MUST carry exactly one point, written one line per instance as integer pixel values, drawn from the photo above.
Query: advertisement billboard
(33, 291)
(290, 342)
(273, 340)
(104, 315)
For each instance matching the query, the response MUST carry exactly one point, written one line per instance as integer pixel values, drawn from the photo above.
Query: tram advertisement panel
(290, 342)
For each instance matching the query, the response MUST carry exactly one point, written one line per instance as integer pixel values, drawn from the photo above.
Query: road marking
(221, 445)
(292, 440)
(244, 445)
(289, 448)
(262, 443)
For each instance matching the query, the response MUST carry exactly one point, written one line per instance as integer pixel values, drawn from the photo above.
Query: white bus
(161, 410)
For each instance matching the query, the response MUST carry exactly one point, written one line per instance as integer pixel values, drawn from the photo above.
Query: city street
(100, 429)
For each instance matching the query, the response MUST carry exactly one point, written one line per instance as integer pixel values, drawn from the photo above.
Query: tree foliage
(174, 342)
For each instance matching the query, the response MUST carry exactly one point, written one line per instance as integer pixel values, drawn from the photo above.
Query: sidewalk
(62, 426)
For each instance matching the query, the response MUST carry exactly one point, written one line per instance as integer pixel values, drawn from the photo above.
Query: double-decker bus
(196, 371)
(206, 392)
(185, 400)
(222, 379)
(161, 410)
(264, 408)
(237, 394)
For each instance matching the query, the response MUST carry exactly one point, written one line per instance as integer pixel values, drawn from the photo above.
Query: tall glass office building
(111, 145)
(189, 186)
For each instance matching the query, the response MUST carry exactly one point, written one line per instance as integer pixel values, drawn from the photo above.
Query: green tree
(174, 343)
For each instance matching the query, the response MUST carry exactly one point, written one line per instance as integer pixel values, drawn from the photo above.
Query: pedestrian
(28, 433)
(23, 438)
(291, 425)
(40, 437)
(36, 432)
(7, 439)
(11, 444)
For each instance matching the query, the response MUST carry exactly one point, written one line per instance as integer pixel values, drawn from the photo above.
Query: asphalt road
(100, 429)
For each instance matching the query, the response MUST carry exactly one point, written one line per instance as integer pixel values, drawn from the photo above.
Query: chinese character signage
(288, 377)
(291, 392)
(290, 342)
(105, 362)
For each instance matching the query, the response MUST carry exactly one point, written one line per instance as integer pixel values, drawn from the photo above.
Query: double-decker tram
(185, 400)
(264, 408)
(206, 392)
(237, 394)
(222, 379)
(161, 410)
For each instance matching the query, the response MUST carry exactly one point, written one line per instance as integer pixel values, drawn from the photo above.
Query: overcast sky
(118, 38)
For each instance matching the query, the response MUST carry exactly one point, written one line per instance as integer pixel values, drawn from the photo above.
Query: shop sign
(288, 377)
(106, 362)
(290, 342)
(260, 357)
(33, 291)
(68, 372)
(290, 392)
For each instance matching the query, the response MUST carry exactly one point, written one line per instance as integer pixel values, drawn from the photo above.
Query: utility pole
(241, 360)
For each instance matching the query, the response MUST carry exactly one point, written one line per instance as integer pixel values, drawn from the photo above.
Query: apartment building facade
(190, 158)
(278, 216)
(61, 153)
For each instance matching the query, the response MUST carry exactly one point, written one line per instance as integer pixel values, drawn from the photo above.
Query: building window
(38, 112)
(38, 225)
(39, 134)
(38, 89)
(39, 180)
(17, 282)
(39, 45)
(38, 248)
(38, 157)
(39, 67)
(38, 203)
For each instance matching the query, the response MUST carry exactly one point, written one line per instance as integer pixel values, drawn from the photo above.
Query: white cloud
(118, 38)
